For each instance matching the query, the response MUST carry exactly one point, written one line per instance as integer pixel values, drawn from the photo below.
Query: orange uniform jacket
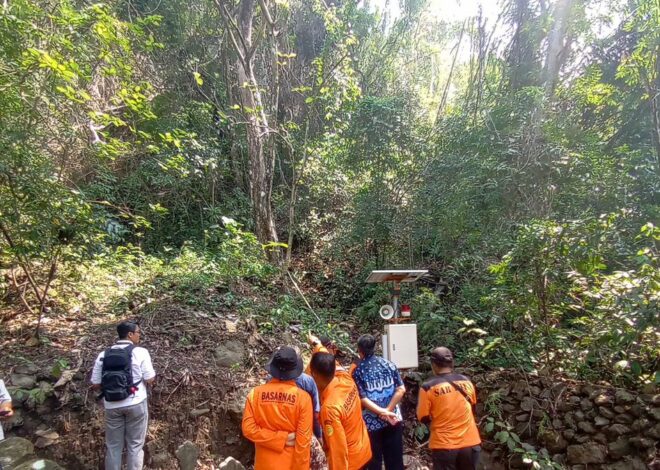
(320, 348)
(452, 421)
(344, 432)
(272, 411)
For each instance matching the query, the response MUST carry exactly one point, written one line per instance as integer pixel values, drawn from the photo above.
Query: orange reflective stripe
(272, 411)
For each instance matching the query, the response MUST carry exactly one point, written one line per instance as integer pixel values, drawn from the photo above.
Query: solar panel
(396, 275)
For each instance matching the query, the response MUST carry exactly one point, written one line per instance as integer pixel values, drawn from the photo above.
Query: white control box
(400, 345)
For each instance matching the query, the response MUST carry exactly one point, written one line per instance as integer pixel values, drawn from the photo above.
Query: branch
(230, 23)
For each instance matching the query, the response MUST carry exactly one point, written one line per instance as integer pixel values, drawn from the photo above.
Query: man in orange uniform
(345, 435)
(445, 401)
(325, 345)
(278, 416)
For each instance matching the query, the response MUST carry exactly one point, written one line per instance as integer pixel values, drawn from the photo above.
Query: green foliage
(503, 434)
(556, 285)
(124, 170)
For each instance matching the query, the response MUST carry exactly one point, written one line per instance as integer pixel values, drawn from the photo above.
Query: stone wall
(582, 426)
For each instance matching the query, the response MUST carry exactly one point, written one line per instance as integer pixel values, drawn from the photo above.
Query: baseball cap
(441, 355)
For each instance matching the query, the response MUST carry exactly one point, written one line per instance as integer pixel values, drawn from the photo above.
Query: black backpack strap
(462, 392)
(130, 349)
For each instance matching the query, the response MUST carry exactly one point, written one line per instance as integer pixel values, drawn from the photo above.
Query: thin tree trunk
(259, 141)
(445, 92)
(556, 47)
(294, 193)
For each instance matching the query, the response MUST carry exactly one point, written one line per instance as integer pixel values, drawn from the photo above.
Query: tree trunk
(259, 142)
(556, 46)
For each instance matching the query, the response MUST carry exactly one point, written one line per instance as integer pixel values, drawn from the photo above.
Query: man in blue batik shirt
(381, 389)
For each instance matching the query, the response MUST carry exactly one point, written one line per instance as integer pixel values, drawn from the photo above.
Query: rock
(579, 415)
(606, 412)
(574, 400)
(559, 459)
(623, 397)
(29, 368)
(187, 454)
(509, 408)
(564, 406)
(519, 389)
(586, 453)
(527, 404)
(641, 442)
(553, 441)
(236, 404)
(586, 427)
(640, 424)
(618, 430)
(654, 432)
(656, 399)
(587, 390)
(569, 434)
(16, 421)
(600, 438)
(161, 460)
(557, 423)
(570, 421)
(623, 419)
(230, 463)
(655, 413)
(23, 381)
(43, 442)
(199, 412)
(630, 463)
(39, 464)
(599, 421)
(521, 418)
(538, 413)
(637, 410)
(602, 399)
(13, 451)
(619, 409)
(618, 448)
(586, 404)
(582, 438)
(229, 353)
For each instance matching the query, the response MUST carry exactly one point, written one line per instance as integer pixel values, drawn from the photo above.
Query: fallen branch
(295, 284)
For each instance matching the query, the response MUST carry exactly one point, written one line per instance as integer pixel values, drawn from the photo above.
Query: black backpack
(116, 376)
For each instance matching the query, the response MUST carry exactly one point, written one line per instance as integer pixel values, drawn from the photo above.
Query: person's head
(129, 330)
(329, 344)
(285, 364)
(322, 367)
(366, 346)
(442, 360)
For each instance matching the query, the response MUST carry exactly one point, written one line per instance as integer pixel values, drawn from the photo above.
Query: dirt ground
(194, 399)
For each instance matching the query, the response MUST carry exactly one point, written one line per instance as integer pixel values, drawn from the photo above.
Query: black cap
(442, 355)
(285, 364)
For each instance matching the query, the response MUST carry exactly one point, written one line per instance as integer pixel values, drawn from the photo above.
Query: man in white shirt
(6, 410)
(124, 391)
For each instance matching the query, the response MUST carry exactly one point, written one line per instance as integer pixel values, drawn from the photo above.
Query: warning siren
(386, 312)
